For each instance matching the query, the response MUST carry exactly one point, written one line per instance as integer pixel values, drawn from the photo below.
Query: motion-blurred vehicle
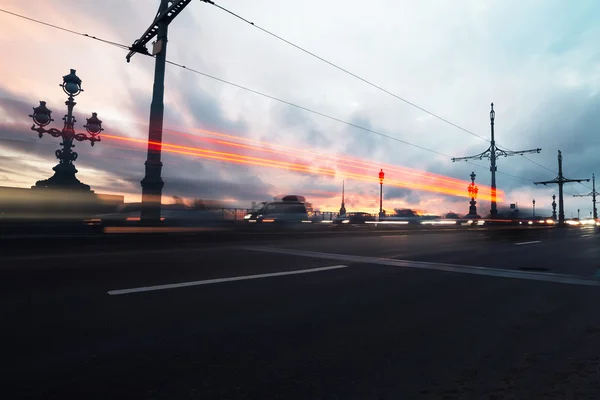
(537, 221)
(403, 215)
(354, 218)
(183, 217)
(285, 211)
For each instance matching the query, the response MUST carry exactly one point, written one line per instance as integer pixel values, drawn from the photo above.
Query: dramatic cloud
(537, 61)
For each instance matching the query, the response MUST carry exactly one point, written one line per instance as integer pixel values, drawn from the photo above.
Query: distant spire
(343, 207)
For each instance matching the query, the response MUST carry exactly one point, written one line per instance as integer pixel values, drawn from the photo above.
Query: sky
(537, 61)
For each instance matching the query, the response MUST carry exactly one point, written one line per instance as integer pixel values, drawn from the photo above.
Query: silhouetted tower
(343, 207)
(560, 180)
(593, 194)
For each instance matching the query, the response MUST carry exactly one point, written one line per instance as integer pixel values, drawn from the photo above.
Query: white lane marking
(221, 280)
(465, 269)
(532, 242)
(392, 236)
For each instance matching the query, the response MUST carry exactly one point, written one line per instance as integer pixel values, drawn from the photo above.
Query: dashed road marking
(532, 242)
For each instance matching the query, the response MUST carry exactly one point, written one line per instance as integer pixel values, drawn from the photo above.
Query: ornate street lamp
(473, 190)
(64, 172)
(554, 207)
(381, 176)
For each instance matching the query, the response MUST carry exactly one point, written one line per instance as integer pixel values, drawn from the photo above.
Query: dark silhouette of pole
(560, 180)
(152, 183)
(533, 201)
(493, 152)
(381, 176)
(593, 195)
(554, 207)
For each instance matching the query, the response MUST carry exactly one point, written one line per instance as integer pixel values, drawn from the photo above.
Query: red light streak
(286, 165)
(457, 184)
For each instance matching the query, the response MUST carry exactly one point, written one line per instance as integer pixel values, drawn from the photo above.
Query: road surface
(455, 315)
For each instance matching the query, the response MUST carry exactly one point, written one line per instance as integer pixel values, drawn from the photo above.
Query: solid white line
(220, 280)
(497, 272)
(532, 242)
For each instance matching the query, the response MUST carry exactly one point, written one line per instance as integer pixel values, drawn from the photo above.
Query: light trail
(258, 161)
(484, 191)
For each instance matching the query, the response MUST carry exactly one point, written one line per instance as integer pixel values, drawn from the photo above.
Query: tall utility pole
(593, 194)
(493, 152)
(343, 207)
(560, 180)
(152, 183)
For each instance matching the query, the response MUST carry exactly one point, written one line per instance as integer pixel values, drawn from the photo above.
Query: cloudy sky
(537, 60)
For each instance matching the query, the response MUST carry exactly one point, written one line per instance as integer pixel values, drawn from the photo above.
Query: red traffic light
(381, 175)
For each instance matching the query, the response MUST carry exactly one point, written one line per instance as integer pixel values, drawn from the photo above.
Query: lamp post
(381, 176)
(473, 189)
(578, 213)
(64, 172)
(554, 207)
(533, 201)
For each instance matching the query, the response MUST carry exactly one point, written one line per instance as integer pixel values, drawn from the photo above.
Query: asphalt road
(456, 315)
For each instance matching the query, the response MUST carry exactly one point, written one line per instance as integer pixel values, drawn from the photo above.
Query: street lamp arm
(41, 130)
(485, 154)
(81, 137)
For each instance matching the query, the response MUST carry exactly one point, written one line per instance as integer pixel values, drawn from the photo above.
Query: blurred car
(537, 221)
(354, 218)
(404, 216)
(279, 212)
(168, 217)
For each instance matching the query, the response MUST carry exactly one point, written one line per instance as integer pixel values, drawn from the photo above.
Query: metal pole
(381, 199)
(152, 183)
(594, 196)
(561, 203)
(493, 168)
(534, 208)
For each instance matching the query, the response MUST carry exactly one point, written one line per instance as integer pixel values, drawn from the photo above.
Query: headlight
(247, 216)
(346, 221)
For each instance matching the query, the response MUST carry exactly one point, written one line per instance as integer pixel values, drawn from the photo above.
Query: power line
(359, 77)
(346, 71)
(124, 47)
(240, 87)
(306, 109)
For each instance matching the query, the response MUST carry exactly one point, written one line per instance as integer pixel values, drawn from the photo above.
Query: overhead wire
(368, 82)
(125, 47)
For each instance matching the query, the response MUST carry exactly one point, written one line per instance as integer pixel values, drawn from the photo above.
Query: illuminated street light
(473, 190)
(64, 172)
